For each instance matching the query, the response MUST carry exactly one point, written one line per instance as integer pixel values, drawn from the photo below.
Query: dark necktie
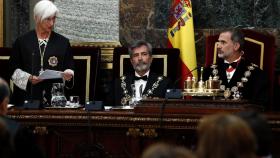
(145, 78)
(233, 65)
(230, 66)
(141, 90)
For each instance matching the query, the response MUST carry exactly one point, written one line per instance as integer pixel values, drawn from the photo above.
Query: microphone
(174, 93)
(94, 105)
(32, 104)
(32, 72)
(176, 82)
(162, 107)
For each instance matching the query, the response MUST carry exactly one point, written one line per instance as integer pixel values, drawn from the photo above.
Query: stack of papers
(50, 74)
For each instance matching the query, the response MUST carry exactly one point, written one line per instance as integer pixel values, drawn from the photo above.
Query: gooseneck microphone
(32, 73)
(176, 81)
(172, 94)
(162, 112)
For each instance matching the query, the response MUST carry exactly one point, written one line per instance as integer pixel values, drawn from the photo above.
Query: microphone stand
(162, 112)
(171, 93)
(32, 104)
(162, 108)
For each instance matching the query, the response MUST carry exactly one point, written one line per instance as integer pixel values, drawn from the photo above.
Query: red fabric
(210, 46)
(230, 69)
(185, 72)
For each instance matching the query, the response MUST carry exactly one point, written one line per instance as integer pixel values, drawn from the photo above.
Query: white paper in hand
(50, 74)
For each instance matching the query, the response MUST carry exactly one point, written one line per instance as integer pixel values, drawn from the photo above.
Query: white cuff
(20, 78)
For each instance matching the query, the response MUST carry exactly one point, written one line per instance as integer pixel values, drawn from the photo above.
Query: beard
(142, 66)
(223, 55)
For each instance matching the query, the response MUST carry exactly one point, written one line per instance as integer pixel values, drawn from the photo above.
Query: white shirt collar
(147, 73)
(225, 61)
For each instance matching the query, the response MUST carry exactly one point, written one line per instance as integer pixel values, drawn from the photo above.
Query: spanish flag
(181, 35)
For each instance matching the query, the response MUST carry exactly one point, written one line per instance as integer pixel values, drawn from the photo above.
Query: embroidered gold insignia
(227, 93)
(124, 101)
(53, 61)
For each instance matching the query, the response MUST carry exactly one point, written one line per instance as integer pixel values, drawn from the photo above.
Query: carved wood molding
(112, 44)
(101, 119)
(120, 119)
(107, 50)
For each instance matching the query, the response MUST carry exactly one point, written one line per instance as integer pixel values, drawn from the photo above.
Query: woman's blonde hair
(225, 136)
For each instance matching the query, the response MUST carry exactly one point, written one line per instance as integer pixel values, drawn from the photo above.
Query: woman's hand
(67, 75)
(34, 79)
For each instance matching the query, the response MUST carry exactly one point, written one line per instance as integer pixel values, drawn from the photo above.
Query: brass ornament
(124, 101)
(127, 97)
(227, 93)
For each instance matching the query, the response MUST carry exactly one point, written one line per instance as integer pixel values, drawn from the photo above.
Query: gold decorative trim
(112, 44)
(108, 66)
(4, 57)
(144, 125)
(134, 132)
(215, 53)
(11, 82)
(107, 58)
(1, 24)
(147, 132)
(88, 59)
(250, 40)
(12, 85)
(150, 133)
(262, 49)
(164, 57)
(40, 130)
(122, 57)
(164, 62)
(80, 118)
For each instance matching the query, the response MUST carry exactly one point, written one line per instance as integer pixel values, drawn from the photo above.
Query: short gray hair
(236, 36)
(138, 44)
(44, 9)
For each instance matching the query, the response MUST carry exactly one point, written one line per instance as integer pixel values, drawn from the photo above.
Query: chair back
(4, 63)
(87, 68)
(165, 62)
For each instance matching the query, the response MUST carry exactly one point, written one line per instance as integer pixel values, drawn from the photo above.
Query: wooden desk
(120, 133)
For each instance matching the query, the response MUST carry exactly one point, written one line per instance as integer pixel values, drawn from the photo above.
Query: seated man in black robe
(240, 78)
(143, 83)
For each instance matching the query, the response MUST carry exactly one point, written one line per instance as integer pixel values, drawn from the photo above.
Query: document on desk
(50, 74)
